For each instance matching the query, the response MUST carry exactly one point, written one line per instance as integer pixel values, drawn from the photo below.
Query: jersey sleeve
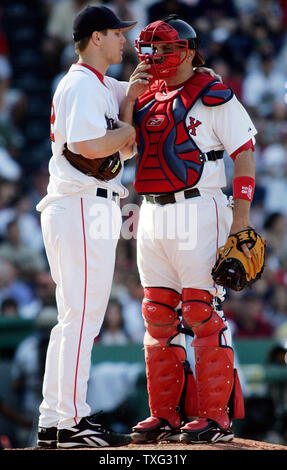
(233, 125)
(85, 111)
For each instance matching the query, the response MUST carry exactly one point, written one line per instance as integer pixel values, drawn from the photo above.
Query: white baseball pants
(80, 235)
(177, 243)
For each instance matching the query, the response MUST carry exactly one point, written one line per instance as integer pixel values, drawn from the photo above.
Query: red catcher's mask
(162, 65)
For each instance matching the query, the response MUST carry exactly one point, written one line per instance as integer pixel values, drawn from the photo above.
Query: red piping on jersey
(246, 146)
(96, 72)
(217, 234)
(84, 310)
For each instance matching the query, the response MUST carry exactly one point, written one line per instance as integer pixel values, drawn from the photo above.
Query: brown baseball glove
(233, 269)
(103, 169)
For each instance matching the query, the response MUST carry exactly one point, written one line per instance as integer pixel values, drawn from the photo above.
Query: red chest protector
(168, 158)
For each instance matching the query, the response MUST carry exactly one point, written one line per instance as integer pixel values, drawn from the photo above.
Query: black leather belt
(211, 156)
(170, 198)
(102, 192)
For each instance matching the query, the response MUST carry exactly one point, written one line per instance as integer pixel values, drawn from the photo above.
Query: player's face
(113, 44)
(175, 57)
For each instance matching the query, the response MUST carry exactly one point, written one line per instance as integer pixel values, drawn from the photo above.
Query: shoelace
(94, 419)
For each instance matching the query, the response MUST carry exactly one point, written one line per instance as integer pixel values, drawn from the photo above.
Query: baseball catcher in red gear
(186, 404)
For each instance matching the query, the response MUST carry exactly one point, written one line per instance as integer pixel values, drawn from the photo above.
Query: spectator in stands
(45, 289)
(13, 105)
(59, 30)
(263, 87)
(67, 58)
(8, 191)
(44, 295)
(249, 320)
(275, 233)
(38, 180)
(9, 168)
(277, 312)
(278, 353)
(220, 12)
(161, 9)
(130, 10)
(113, 331)
(9, 308)
(21, 209)
(131, 299)
(274, 129)
(275, 176)
(27, 261)
(12, 287)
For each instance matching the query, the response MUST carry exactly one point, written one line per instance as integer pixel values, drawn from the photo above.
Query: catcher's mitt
(103, 169)
(233, 269)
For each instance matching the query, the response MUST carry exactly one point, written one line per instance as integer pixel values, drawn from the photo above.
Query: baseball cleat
(207, 430)
(90, 433)
(154, 430)
(47, 438)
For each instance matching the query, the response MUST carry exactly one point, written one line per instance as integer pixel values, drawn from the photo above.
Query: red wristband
(243, 187)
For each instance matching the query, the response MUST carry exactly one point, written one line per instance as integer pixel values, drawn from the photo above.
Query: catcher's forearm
(241, 215)
(244, 166)
(110, 143)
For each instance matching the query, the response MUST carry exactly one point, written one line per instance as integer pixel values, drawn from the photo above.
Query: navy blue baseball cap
(92, 19)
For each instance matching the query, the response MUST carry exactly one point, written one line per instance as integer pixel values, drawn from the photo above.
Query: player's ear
(96, 38)
(190, 55)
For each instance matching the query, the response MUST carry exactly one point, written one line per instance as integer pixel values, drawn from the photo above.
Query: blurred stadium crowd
(245, 41)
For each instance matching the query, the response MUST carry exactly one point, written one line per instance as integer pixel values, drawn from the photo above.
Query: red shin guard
(214, 376)
(216, 381)
(165, 362)
(165, 380)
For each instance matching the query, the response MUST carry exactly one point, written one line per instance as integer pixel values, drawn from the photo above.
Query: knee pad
(158, 310)
(198, 312)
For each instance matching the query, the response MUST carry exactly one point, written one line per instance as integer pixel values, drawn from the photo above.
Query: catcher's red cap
(92, 19)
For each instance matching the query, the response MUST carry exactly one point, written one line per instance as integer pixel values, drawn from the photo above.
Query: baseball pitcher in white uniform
(81, 222)
(184, 122)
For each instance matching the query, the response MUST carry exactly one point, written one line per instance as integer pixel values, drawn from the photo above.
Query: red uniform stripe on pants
(84, 308)
(217, 232)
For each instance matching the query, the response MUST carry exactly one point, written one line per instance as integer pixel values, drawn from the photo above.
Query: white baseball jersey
(82, 102)
(224, 127)
(177, 243)
(80, 232)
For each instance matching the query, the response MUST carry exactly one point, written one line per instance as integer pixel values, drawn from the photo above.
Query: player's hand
(128, 149)
(209, 71)
(139, 81)
(238, 227)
